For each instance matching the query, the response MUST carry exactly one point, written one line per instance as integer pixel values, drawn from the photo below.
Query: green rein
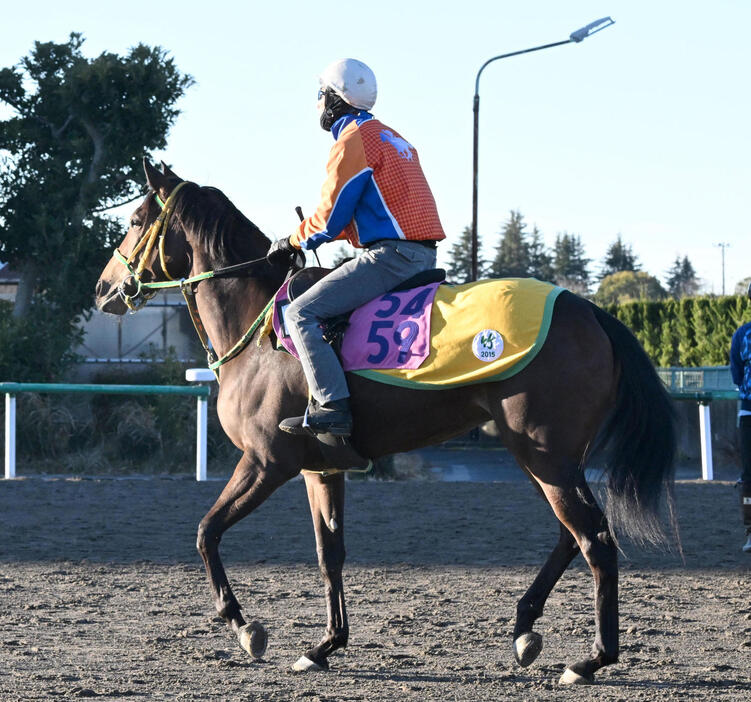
(145, 291)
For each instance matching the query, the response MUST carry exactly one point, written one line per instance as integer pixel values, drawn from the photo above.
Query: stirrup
(315, 421)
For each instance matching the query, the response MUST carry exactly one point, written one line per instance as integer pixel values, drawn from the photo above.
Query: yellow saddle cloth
(480, 332)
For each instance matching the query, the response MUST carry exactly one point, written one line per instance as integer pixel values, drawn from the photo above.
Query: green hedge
(694, 331)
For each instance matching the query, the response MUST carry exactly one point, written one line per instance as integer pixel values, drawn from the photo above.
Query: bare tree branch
(57, 133)
(97, 140)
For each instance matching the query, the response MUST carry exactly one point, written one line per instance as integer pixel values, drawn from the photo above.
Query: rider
(740, 368)
(375, 196)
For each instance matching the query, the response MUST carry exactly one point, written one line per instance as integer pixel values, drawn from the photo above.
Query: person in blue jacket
(740, 368)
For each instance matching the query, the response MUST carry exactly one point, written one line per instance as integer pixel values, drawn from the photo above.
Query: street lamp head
(590, 29)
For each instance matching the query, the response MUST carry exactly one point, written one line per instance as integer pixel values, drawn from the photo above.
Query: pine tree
(682, 280)
(619, 257)
(512, 259)
(459, 265)
(540, 259)
(570, 265)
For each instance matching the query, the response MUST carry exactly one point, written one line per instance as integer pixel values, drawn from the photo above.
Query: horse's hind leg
(248, 487)
(576, 508)
(326, 497)
(528, 643)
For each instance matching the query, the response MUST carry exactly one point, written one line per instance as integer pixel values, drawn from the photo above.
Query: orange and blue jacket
(375, 190)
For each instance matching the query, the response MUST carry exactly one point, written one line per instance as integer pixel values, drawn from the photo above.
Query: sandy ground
(102, 595)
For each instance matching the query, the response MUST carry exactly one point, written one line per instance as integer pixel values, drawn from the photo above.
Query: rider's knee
(294, 314)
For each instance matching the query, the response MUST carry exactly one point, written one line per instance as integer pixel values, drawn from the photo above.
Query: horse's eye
(135, 222)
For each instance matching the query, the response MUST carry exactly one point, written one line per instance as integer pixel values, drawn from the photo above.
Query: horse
(591, 385)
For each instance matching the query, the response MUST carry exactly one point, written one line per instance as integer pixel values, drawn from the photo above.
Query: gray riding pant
(380, 268)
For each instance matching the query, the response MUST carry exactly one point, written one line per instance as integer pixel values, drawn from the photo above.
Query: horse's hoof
(569, 677)
(527, 647)
(304, 665)
(254, 639)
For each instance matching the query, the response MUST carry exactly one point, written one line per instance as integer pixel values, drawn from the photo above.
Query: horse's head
(153, 249)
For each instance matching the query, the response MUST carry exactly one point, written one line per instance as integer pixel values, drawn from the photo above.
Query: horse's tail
(639, 439)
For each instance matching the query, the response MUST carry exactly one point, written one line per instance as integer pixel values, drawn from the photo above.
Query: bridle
(154, 237)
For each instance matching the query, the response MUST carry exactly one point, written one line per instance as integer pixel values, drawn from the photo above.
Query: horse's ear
(157, 181)
(166, 170)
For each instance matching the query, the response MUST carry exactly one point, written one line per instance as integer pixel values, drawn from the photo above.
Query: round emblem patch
(487, 345)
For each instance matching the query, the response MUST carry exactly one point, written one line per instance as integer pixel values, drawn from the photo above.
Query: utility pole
(723, 245)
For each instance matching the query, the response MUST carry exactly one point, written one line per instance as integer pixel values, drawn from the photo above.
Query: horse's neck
(228, 307)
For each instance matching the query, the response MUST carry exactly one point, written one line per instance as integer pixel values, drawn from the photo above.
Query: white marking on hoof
(569, 677)
(333, 526)
(304, 665)
(253, 639)
(527, 647)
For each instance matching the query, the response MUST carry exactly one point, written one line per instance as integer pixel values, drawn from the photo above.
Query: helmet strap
(334, 107)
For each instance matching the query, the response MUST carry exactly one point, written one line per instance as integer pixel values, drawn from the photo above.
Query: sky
(640, 130)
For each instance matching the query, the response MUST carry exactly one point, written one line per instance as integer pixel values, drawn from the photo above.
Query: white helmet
(352, 81)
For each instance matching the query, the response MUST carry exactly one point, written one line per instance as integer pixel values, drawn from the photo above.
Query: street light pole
(575, 37)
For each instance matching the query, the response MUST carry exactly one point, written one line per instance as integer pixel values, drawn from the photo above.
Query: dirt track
(102, 595)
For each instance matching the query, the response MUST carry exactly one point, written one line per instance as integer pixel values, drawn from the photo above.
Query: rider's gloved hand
(281, 250)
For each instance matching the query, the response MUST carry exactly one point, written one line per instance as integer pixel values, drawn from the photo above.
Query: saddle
(338, 450)
(334, 328)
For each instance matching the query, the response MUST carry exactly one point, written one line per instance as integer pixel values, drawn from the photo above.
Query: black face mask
(333, 108)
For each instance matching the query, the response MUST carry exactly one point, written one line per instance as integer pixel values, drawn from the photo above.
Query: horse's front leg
(326, 497)
(248, 488)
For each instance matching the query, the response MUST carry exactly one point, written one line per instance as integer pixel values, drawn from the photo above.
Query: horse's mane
(218, 226)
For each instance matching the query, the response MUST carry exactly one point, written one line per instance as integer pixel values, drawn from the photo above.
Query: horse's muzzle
(101, 289)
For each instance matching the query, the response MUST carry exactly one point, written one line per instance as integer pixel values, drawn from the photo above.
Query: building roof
(7, 275)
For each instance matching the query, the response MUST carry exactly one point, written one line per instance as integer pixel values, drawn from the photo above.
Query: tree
(626, 286)
(540, 260)
(619, 257)
(459, 267)
(682, 280)
(570, 265)
(342, 254)
(741, 287)
(72, 147)
(512, 259)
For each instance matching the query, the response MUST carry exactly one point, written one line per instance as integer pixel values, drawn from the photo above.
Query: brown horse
(590, 377)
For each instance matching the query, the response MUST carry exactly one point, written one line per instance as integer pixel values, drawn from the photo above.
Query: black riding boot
(746, 511)
(332, 417)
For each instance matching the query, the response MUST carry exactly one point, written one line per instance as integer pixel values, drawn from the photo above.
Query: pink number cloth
(392, 331)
